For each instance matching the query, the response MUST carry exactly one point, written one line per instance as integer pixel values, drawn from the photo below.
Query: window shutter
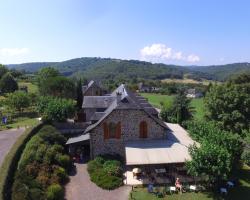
(105, 131)
(118, 130)
(145, 130)
(141, 130)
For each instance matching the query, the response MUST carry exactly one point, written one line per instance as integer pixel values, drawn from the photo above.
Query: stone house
(193, 93)
(124, 123)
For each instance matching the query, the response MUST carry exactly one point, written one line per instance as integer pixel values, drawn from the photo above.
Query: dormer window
(143, 129)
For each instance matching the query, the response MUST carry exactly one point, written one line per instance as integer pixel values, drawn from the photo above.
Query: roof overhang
(81, 138)
(155, 152)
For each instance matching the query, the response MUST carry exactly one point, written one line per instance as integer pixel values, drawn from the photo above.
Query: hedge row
(8, 168)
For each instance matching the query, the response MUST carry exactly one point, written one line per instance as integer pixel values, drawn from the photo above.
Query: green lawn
(28, 119)
(32, 88)
(242, 191)
(156, 99)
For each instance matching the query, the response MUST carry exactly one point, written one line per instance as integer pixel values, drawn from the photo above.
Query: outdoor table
(223, 190)
(162, 170)
(230, 183)
(172, 188)
(192, 187)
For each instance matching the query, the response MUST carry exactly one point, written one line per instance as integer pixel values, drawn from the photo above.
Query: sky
(182, 32)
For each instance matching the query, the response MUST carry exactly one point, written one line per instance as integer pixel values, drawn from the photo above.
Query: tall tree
(3, 70)
(58, 86)
(79, 94)
(229, 103)
(179, 111)
(8, 83)
(45, 73)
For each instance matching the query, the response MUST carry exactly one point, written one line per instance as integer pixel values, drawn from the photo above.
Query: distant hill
(31, 67)
(107, 68)
(222, 72)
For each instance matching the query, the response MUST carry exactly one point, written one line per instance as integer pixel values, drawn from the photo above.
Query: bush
(105, 173)
(63, 160)
(42, 164)
(112, 167)
(246, 157)
(55, 192)
(10, 162)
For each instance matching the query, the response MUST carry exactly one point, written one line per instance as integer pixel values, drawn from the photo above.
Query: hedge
(8, 168)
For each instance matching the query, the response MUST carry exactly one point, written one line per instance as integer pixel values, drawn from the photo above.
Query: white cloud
(13, 51)
(161, 53)
(193, 58)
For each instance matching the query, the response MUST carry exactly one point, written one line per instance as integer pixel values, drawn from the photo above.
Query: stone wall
(130, 130)
(94, 90)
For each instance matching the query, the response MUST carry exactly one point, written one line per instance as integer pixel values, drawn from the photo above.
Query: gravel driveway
(81, 188)
(7, 139)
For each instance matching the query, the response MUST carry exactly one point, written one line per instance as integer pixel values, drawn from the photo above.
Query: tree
(79, 93)
(228, 104)
(219, 152)
(55, 109)
(210, 161)
(58, 86)
(45, 73)
(179, 111)
(3, 70)
(18, 101)
(8, 83)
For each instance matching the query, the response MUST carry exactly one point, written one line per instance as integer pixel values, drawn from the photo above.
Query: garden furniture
(193, 188)
(223, 190)
(230, 184)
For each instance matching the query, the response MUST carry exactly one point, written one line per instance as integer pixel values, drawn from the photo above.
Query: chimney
(118, 96)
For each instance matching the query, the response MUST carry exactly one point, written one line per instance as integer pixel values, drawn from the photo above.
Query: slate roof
(78, 139)
(125, 99)
(97, 101)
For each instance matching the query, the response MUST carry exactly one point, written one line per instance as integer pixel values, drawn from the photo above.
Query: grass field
(241, 191)
(26, 119)
(156, 99)
(32, 88)
(187, 80)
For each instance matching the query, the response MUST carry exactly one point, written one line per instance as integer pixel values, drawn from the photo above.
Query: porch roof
(80, 138)
(173, 149)
(155, 152)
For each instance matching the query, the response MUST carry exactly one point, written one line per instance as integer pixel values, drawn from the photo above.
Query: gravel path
(7, 139)
(81, 188)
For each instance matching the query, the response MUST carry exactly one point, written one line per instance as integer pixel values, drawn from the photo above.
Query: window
(112, 130)
(143, 129)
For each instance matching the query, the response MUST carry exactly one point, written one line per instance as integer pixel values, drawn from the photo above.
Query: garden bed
(105, 172)
(42, 169)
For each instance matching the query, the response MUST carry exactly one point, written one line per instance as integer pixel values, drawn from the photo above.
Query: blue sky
(186, 32)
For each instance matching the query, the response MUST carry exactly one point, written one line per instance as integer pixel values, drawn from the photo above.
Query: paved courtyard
(7, 139)
(80, 187)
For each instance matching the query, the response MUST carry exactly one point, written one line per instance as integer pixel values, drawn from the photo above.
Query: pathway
(7, 139)
(81, 188)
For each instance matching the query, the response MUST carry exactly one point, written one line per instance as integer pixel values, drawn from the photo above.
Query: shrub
(42, 164)
(55, 192)
(246, 157)
(63, 160)
(112, 167)
(105, 173)
(61, 174)
(10, 162)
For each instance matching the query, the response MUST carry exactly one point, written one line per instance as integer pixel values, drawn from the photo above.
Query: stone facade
(130, 131)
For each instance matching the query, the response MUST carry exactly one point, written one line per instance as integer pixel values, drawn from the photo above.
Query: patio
(157, 174)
